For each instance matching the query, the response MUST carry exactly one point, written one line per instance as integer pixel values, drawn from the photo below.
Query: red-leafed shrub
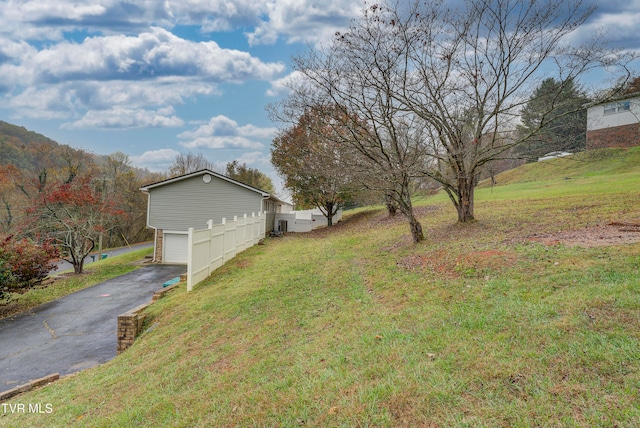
(24, 263)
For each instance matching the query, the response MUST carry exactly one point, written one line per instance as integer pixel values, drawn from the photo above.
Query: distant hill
(29, 161)
(22, 147)
(22, 134)
(28, 150)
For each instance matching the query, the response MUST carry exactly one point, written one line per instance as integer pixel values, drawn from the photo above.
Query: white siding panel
(597, 119)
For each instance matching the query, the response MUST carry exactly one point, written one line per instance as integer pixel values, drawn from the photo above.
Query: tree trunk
(403, 203)
(329, 207)
(465, 199)
(416, 230)
(392, 206)
(78, 266)
(414, 225)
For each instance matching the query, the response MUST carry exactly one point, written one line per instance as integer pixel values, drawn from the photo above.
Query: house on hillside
(615, 123)
(191, 200)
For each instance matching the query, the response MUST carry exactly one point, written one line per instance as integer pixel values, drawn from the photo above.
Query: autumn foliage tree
(312, 159)
(34, 170)
(251, 176)
(10, 197)
(73, 215)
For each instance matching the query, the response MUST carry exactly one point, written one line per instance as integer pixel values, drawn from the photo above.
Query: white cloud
(254, 158)
(280, 87)
(222, 132)
(220, 15)
(265, 20)
(150, 55)
(304, 20)
(123, 118)
(70, 99)
(620, 28)
(43, 103)
(222, 143)
(148, 71)
(49, 20)
(155, 160)
(38, 10)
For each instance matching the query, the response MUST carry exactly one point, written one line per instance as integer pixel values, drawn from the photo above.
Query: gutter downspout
(264, 198)
(155, 230)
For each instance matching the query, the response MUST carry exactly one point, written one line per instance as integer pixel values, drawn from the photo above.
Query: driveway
(77, 331)
(94, 257)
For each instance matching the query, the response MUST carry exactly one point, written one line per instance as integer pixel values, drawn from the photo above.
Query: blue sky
(154, 78)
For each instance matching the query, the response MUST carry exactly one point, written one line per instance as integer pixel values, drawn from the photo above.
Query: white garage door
(175, 248)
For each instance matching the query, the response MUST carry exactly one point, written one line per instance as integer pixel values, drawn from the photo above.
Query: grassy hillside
(603, 171)
(496, 323)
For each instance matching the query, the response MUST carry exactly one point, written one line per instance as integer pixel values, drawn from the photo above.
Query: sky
(155, 78)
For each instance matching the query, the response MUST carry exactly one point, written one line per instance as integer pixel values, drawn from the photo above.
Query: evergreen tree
(554, 118)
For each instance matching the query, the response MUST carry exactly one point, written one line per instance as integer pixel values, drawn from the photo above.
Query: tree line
(439, 92)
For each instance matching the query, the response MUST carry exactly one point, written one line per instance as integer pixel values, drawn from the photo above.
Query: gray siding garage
(191, 200)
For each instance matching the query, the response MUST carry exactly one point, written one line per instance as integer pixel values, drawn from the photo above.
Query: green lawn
(357, 326)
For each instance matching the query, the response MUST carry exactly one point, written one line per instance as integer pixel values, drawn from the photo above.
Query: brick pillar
(127, 331)
(157, 254)
(129, 325)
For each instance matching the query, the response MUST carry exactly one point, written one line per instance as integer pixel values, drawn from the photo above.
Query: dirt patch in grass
(614, 233)
(244, 263)
(443, 264)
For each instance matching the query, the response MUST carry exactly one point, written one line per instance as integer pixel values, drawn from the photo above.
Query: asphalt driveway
(77, 331)
(94, 257)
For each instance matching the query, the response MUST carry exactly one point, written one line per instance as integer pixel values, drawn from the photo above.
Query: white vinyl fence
(210, 248)
(304, 221)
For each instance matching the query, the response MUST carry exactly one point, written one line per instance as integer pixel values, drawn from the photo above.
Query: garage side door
(175, 248)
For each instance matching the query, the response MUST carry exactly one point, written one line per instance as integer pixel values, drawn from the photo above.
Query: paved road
(77, 331)
(94, 257)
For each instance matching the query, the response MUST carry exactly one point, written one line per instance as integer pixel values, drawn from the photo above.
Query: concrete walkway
(77, 331)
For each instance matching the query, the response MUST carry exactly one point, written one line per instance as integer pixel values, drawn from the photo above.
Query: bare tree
(358, 74)
(190, 162)
(470, 70)
(122, 182)
(440, 86)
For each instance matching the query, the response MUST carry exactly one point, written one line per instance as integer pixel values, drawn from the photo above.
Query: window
(618, 107)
